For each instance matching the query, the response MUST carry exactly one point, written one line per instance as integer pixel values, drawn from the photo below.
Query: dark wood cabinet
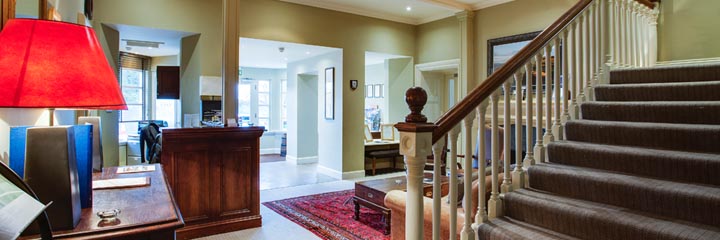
(214, 175)
(168, 82)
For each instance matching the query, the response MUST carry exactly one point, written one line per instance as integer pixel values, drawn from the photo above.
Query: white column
(539, 149)
(495, 208)
(518, 175)
(231, 53)
(467, 232)
(415, 147)
(507, 178)
(467, 78)
(481, 215)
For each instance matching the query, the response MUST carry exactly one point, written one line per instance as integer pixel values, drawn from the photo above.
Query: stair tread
(659, 84)
(508, 228)
(653, 103)
(600, 221)
(690, 112)
(637, 192)
(638, 150)
(647, 124)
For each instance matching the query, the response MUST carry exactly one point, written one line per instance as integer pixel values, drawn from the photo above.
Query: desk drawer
(369, 194)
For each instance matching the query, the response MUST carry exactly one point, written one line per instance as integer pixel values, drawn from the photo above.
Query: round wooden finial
(416, 97)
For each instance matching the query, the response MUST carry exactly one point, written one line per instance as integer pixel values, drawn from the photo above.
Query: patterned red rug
(330, 217)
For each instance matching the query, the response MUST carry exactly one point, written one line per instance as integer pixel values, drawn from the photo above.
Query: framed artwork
(378, 91)
(368, 134)
(387, 132)
(500, 50)
(330, 93)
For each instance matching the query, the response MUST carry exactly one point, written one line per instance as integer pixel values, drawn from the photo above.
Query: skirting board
(690, 61)
(269, 151)
(340, 175)
(302, 160)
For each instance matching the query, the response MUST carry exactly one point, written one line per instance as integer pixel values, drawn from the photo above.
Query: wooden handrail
(451, 118)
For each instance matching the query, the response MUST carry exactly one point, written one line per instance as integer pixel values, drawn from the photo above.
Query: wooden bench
(372, 156)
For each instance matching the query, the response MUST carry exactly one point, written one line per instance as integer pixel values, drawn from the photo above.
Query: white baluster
(581, 64)
(453, 135)
(617, 28)
(548, 137)
(635, 34)
(481, 215)
(539, 150)
(437, 186)
(628, 33)
(623, 33)
(507, 181)
(645, 25)
(611, 32)
(587, 57)
(495, 208)
(602, 38)
(572, 65)
(652, 36)
(566, 81)
(557, 128)
(467, 232)
(529, 156)
(518, 175)
(590, 57)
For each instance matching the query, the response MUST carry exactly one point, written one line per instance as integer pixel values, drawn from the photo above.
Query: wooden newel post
(415, 146)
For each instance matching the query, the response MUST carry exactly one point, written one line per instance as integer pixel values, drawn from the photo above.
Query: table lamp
(55, 65)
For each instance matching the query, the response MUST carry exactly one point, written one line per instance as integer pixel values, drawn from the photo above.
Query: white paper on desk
(17, 210)
(231, 122)
(136, 169)
(120, 183)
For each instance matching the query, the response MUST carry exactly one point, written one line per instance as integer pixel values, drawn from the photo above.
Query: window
(133, 76)
(263, 93)
(283, 99)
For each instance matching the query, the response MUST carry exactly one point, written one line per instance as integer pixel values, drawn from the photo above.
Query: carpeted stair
(643, 162)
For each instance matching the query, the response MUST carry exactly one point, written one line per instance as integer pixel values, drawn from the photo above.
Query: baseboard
(270, 151)
(340, 175)
(302, 160)
(690, 61)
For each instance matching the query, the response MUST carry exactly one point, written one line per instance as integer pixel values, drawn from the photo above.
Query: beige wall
(517, 17)
(688, 29)
(438, 40)
(281, 21)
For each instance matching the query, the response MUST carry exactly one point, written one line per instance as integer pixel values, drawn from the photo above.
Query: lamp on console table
(55, 65)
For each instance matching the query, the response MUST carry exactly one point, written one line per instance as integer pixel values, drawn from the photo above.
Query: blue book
(18, 137)
(83, 156)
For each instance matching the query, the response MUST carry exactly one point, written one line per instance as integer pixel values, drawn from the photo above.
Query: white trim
(489, 3)
(351, 10)
(302, 160)
(269, 151)
(439, 65)
(689, 61)
(340, 175)
(434, 18)
(449, 4)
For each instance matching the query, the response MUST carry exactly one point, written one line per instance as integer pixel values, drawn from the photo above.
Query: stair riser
(693, 139)
(586, 224)
(686, 168)
(662, 113)
(659, 75)
(700, 207)
(667, 93)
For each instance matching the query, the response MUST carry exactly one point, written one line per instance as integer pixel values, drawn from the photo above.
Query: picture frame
(378, 91)
(368, 134)
(330, 93)
(387, 132)
(368, 91)
(500, 50)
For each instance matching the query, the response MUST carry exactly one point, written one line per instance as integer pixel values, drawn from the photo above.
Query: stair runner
(643, 162)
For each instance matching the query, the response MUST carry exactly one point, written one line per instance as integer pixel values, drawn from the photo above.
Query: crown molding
(489, 3)
(351, 10)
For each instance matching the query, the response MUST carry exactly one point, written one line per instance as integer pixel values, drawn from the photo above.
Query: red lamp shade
(48, 64)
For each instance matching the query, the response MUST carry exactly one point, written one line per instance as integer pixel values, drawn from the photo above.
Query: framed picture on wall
(378, 90)
(330, 93)
(368, 91)
(500, 50)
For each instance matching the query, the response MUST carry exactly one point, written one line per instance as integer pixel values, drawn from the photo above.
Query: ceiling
(170, 40)
(266, 54)
(422, 11)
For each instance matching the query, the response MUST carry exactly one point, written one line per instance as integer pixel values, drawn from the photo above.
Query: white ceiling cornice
(489, 3)
(450, 4)
(343, 8)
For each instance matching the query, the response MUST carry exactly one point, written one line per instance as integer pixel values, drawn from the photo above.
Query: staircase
(642, 162)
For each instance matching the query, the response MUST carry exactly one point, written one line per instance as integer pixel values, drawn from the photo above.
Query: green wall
(281, 21)
(688, 29)
(438, 40)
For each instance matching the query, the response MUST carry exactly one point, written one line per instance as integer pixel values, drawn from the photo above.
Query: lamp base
(51, 171)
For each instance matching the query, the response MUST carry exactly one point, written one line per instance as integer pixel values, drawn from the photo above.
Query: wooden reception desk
(214, 176)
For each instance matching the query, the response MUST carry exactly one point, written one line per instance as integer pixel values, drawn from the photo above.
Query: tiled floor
(282, 174)
(276, 226)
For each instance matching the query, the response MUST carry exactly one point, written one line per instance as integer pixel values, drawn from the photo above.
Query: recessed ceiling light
(408, 8)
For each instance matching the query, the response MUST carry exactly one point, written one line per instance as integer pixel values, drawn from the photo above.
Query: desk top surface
(142, 208)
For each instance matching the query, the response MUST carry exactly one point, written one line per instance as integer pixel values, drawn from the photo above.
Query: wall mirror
(500, 50)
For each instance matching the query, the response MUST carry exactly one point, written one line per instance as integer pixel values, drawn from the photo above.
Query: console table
(147, 212)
